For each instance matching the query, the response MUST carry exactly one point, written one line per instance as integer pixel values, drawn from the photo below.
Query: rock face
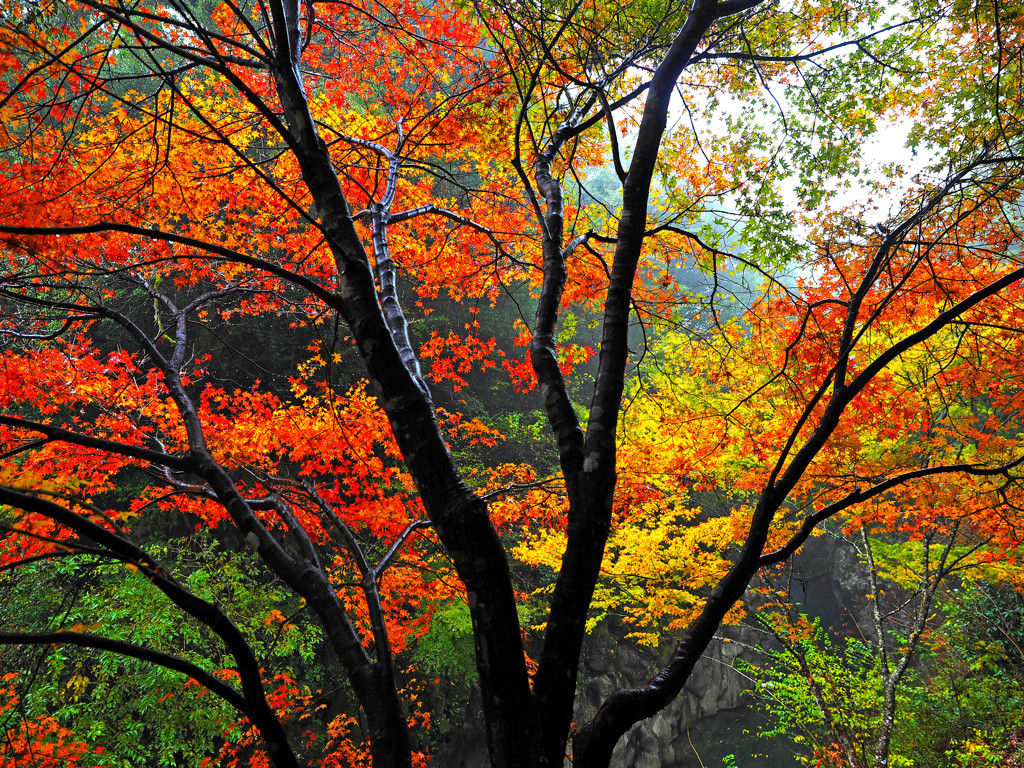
(610, 662)
(828, 577)
(830, 582)
(831, 579)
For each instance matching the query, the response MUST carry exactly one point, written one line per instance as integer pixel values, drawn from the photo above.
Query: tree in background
(175, 172)
(932, 678)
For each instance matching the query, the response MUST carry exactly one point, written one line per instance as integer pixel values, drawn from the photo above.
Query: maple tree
(175, 170)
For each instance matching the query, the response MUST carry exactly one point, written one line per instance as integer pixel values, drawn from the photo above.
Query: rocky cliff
(610, 662)
(827, 579)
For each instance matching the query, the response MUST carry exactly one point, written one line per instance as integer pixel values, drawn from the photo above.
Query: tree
(917, 687)
(170, 169)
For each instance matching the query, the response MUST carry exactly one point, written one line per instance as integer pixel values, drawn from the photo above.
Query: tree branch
(122, 648)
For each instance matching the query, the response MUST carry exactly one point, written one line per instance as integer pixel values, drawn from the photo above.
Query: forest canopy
(358, 361)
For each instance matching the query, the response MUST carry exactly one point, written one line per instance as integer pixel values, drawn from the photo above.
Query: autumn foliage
(319, 321)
